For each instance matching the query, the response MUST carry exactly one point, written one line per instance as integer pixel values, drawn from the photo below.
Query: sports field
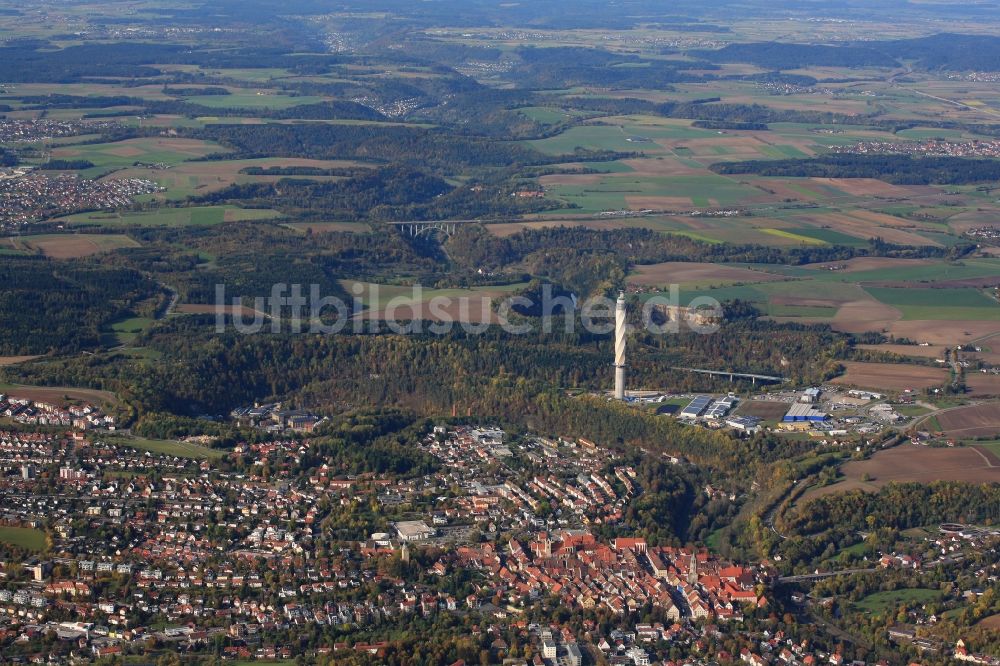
(23, 537)
(763, 409)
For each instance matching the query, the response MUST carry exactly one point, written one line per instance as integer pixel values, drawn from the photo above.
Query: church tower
(693, 569)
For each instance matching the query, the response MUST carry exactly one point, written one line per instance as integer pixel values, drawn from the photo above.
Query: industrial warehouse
(704, 406)
(804, 412)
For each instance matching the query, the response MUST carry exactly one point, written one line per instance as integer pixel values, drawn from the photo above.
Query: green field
(107, 157)
(776, 310)
(547, 115)
(23, 537)
(882, 602)
(328, 227)
(252, 101)
(934, 272)
(911, 410)
(609, 167)
(173, 217)
(168, 447)
(611, 192)
(836, 291)
(656, 127)
(837, 287)
(781, 151)
(127, 330)
(595, 137)
(944, 304)
(714, 540)
(256, 75)
(829, 236)
(798, 238)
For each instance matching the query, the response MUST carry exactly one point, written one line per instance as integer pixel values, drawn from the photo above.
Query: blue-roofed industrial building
(721, 407)
(696, 407)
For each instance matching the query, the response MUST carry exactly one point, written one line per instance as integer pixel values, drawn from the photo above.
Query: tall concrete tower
(620, 330)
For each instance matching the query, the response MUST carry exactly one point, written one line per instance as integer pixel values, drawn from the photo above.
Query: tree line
(895, 169)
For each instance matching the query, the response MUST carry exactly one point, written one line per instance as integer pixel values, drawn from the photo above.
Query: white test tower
(620, 330)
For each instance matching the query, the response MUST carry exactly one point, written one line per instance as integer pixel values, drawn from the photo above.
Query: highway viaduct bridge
(733, 375)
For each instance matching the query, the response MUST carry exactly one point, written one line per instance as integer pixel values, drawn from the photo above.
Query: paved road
(819, 576)
(174, 296)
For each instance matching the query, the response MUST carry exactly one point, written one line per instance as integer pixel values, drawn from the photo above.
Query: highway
(726, 373)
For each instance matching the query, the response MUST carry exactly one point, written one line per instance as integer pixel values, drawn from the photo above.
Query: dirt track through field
(973, 421)
(913, 463)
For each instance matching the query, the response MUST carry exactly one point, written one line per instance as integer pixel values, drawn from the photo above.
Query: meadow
(170, 217)
(107, 157)
(884, 602)
(23, 537)
(947, 304)
(261, 99)
(127, 330)
(328, 227)
(548, 115)
(168, 447)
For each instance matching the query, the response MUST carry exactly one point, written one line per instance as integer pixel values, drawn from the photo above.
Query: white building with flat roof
(414, 530)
